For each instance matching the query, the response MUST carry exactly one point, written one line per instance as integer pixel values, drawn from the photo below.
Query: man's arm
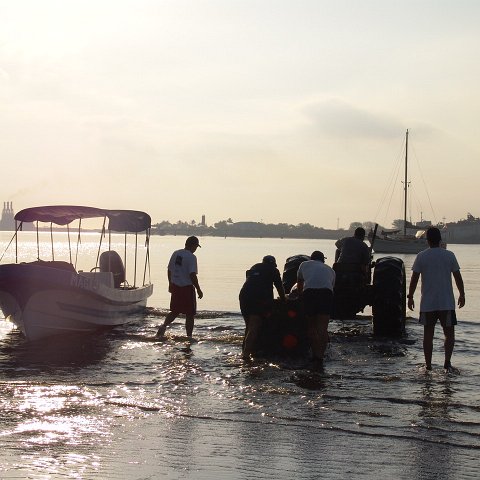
(277, 281)
(300, 281)
(459, 282)
(411, 289)
(194, 279)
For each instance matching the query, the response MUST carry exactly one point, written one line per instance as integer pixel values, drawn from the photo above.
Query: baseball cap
(193, 241)
(269, 259)
(317, 255)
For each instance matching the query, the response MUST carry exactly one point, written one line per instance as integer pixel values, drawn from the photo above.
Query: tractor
(383, 288)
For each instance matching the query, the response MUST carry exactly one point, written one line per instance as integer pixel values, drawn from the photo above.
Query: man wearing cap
(256, 299)
(315, 282)
(182, 284)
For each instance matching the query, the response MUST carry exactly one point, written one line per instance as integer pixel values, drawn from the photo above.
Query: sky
(255, 110)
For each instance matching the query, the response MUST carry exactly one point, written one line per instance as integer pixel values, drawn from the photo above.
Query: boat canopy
(118, 220)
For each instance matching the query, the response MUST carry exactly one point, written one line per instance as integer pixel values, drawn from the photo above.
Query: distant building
(204, 224)
(424, 224)
(7, 222)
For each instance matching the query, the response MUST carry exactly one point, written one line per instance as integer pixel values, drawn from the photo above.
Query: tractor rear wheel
(389, 297)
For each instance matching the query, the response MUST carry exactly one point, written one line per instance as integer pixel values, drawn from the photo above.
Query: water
(122, 405)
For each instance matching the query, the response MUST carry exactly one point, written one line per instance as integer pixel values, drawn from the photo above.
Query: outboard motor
(110, 261)
(289, 277)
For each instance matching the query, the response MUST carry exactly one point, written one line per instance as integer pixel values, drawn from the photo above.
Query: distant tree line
(229, 228)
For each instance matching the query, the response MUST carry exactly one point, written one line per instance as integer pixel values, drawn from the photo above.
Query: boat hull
(387, 245)
(43, 301)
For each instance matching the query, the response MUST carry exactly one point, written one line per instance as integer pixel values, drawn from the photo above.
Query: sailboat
(400, 241)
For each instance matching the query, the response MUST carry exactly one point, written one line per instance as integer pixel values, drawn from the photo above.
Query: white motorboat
(50, 297)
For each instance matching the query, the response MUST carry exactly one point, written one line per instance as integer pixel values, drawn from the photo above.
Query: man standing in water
(315, 282)
(436, 265)
(256, 300)
(182, 284)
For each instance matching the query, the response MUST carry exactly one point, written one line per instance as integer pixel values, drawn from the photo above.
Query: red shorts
(183, 299)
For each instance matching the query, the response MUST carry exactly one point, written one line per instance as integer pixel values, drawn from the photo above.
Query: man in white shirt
(182, 284)
(436, 266)
(315, 282)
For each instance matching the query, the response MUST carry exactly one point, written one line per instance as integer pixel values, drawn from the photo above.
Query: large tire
(389, 297)
(289, 277)
(350, 292)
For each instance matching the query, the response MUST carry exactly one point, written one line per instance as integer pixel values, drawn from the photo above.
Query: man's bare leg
(428, 332)
(251, 336)
(189, 323)
(449, 343)
(168, 320)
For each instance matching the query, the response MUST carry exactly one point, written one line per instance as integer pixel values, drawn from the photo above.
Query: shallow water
(123, 405)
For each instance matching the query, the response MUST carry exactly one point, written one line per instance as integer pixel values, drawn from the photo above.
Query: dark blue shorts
(317, 301)
(448, 318)
(255, 305)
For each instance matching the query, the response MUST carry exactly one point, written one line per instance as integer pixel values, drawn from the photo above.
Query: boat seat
(110, 261)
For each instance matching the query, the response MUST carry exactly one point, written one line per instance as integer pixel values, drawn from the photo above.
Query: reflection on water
(122, 404)
(48, 417)
(437, 394)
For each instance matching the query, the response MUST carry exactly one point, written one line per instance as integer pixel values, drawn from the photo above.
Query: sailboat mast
(405, 186)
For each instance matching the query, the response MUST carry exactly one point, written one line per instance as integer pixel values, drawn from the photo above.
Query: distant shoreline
(330, 235)
(249, 230)
(324, 234)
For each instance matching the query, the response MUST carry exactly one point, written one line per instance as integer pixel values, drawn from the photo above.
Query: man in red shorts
(182, 284)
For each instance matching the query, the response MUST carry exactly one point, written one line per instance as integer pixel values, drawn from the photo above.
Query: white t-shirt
(316, 274)
(435, 266)
(182, 263)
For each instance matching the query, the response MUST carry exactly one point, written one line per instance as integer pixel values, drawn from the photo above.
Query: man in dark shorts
(436, 266)
(315, 282)
(256, 299)
(182, 284)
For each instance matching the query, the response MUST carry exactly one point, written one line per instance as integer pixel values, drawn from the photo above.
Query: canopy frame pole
(38, 242)
(16, 242)
(69, 243)
(14, 237)
(101, 238)
(79, 240)
(135, 267)
(51, 240)
(147, 257)
(125, 253)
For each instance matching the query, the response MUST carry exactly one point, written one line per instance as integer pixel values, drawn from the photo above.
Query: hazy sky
(263, 110)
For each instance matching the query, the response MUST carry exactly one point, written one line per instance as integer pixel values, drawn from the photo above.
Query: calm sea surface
(122, 405)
